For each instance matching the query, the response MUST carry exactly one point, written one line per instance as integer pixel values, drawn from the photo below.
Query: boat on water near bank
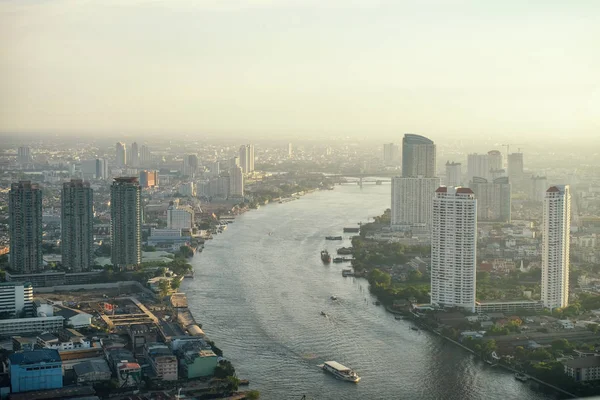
(340, 372)
(352, 230)
(344, 250)
(341, 259)
(325, 257)
(333, 238)
(347, 272)
(521, 377)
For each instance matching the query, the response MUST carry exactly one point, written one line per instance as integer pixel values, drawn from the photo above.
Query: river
(259, 297)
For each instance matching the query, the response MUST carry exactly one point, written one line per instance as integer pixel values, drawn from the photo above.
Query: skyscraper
(453, 174)
(25, 226)
(390, 154)
(121, 157)
(77, 221)
(515, 166)
(24, 155)
(145, 156)
(101, 169)
(418, 156)
(190, 165)
(247, 158)
(493, 198)
(412, 201)
(126, 222)
(290, 150)
(495, 160)
(538, 187)
(555, 247)
(236, 182)
(135, 156)
(478, 165)
(454, 248)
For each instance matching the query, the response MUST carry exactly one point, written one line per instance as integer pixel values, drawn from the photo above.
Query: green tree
(253, 395)
(175, 283)
(163, 287)
(593, 327)
(561, 344)
(380, 278)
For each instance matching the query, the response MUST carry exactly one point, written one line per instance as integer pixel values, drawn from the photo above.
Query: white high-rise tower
(454, 247)
(555, 247)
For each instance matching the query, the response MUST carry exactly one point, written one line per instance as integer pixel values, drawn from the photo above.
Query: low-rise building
(20, 326)
(197, 363)
(503, 306)
(16, 299)
(162, 360)
(35, 370)
(92, 371)
(139, 335)
(129, 373)
(583, 369)
(73, 318)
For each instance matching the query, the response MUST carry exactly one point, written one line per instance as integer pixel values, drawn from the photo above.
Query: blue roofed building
(35, 370)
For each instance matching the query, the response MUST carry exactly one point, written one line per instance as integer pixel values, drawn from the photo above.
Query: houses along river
(260, 287)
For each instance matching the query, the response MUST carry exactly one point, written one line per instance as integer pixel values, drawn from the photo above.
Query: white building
(121, 157)
(453, 174)
(16, 298)
(412, 200)
(20, 326)
(179, 217)
(247, 158)
(583, 369)
(555, 247)
(454, 248)
(478, 165)
(236, 182)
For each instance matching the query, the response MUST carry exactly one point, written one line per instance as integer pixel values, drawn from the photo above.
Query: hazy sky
(314, 67)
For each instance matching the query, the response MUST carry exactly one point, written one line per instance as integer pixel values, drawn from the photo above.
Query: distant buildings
(247, 158)
(16, 299)
(148, 179)
(187, 189)
(179, 217)
(24, 155)
(454, 248)
(35, 370)
(126, 222)
(25, 227)
(418, 156)
(515, 167)
(493, 199)
(134, 160)
(555, 247)
(236, 182)
(453, 174)
(145, 156)
(290, 150)
(495, 161)
(538, 187)
(478, 165)
(77, 221)
(190, 165)
(121, 155)
(390, 154)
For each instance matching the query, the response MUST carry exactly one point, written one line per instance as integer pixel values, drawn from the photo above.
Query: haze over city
(300, 68)
(299, 199)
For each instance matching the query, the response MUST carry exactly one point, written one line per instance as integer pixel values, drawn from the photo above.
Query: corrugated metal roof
(35, 357)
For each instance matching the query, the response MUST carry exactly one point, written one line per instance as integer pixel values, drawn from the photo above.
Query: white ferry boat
(340, 371)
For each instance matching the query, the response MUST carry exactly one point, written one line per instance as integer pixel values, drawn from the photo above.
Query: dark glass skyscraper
(77, 226)
(25, 225)
(126, 222)
(418, 156)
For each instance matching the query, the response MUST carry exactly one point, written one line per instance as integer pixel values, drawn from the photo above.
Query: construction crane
(508, 147)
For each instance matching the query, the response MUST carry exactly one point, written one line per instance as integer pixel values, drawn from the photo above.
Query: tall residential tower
(454, 248)
(25, 227)
(555, 247)
(77, 226)
(126, 222)
(418, 156)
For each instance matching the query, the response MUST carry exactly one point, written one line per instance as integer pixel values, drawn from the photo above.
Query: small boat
(325, 257)
(323, 313)
(521, 377)
(244, 382)
(340, 372)
(333, 238)
(414, 328)
(347, 272)
(334, 297)
(344, 250)
(352, 230)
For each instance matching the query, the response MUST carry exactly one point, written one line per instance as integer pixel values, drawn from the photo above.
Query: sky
(300, 67)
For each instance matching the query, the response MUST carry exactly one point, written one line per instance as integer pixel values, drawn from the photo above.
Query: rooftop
(91, 366)
(584, 362)
(35, 357)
